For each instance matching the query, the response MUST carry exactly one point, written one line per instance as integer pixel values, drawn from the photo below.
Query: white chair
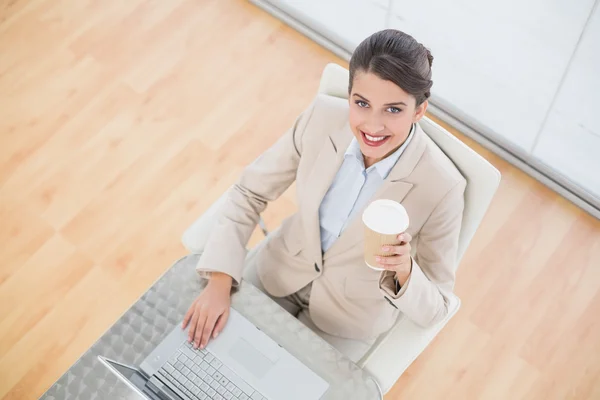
(395, 350)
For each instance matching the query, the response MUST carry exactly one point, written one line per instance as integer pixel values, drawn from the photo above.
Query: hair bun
(395, 56)
(429, 57)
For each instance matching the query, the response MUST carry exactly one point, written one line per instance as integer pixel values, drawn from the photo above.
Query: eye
(361, 103)
(394, 110)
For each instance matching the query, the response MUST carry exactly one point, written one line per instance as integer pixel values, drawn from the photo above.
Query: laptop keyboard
(198, 374)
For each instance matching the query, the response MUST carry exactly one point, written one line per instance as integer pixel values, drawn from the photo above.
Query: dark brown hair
(395, 56)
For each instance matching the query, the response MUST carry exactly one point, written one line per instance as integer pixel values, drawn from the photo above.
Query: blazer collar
(395, 187)
(411, 156)
(341, 138)
(324, 168)
(328, 161)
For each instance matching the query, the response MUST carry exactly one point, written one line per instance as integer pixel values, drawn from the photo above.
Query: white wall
(570, 139)
(499, 62)
(528, 71)
(345, 22)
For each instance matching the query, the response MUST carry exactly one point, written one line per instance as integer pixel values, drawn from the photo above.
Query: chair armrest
(394, 351)
(195, 237)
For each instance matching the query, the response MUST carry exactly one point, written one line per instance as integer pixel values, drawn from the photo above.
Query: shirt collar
(384, 166)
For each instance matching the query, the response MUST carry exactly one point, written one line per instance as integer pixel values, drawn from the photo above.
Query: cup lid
(386, 216)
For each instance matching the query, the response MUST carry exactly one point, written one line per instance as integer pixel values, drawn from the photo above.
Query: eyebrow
(398, 103)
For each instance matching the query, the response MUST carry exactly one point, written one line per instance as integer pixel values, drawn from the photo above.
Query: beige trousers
(297, 305)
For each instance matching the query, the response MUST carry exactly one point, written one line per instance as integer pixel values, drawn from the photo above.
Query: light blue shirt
(351, 189)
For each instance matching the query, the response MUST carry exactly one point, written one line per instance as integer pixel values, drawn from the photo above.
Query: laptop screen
(132, 377)
(127, 372)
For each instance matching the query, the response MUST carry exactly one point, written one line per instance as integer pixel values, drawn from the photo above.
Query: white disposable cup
(384, 220)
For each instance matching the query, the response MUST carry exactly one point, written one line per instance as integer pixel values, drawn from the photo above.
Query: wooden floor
(120, 123)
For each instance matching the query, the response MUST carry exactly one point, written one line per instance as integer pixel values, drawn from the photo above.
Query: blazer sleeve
(424, 297)
(261, 182)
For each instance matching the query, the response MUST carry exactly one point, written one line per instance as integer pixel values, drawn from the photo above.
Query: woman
(342, 155)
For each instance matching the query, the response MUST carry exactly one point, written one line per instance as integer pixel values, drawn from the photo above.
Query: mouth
(373, 141)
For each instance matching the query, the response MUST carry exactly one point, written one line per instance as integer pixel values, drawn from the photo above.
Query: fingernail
(386, 248)
(377, 258)
(201, 346)
(216, 334)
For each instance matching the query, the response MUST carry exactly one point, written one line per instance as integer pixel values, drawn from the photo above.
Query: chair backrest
(482, 178)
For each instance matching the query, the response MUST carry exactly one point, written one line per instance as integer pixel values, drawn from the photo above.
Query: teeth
(375, 139)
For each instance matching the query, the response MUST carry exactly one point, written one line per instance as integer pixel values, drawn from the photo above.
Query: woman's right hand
(208, 314)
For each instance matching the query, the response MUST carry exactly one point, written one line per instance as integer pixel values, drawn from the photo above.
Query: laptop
(242, 363)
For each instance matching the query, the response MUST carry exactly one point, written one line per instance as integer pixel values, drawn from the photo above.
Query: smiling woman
(379, 153)
(390, 82)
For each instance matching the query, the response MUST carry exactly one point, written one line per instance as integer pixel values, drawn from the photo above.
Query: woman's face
(381, 115)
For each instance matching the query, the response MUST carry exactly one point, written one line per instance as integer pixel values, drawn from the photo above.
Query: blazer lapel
(325, 167)
(395, 187)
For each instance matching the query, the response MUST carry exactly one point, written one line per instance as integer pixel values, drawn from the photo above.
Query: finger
(390, 261)
(193, 323)
(405, 237)
(398, 250)
(211, 320)
(391, 268)
(221, 323)
(188, 315)
(199, 329)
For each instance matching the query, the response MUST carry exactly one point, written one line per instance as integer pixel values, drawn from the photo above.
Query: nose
(374, 124)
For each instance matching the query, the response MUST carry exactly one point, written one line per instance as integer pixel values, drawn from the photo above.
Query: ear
(420, 111)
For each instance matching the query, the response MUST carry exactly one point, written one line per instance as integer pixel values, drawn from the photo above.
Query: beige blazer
(348, 299)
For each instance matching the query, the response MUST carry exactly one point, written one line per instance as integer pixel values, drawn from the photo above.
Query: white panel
(572, 151)
(344, 22)
(501, 62)
(380, 3)
(570, 141)
(579, 97)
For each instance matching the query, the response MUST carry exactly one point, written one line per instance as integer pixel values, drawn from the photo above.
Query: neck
(370, 161)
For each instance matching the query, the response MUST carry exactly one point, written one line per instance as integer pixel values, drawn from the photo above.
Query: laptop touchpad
(250, 358)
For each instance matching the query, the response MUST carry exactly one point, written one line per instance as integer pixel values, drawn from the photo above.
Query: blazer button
(317, 268)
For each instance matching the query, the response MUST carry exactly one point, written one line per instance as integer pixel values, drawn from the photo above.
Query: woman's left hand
(401, 262)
